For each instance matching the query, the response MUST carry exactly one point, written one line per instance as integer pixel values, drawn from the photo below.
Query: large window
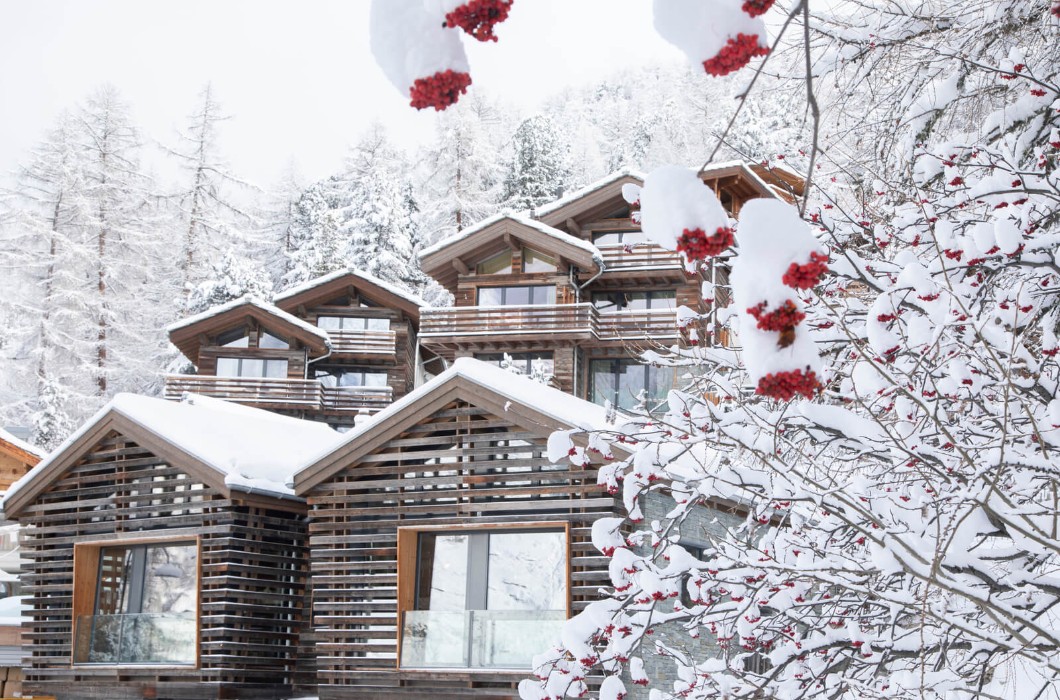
(499, 264)
(534, 261)
(625, 382)
(350, 377)
(529, 363)
(352, 323)
(516, 296)
(653, 300)
(251, 367)
(143, 606)
(482, 598)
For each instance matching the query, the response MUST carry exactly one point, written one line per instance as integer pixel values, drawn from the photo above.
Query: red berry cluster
(736, 54)
(697, 245)
(757, 7)
(1055, 9)
(478, 17)
(806, 276)
(440, 90)
(783, 318)
(786, 385)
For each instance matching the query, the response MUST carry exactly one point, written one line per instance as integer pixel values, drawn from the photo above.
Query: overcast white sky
(296, 75)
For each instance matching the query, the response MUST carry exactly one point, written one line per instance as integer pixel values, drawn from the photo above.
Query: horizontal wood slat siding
(449, 469)
(253, 577)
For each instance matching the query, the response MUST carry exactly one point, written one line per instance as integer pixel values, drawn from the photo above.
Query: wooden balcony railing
(280, 393)
(354, 398)
(618, 257)
(572, 318)
(492, 320)
(362, 342)
(620, 325)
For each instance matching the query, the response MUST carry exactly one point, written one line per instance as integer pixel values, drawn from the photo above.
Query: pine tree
(540, 170)
(233, 277)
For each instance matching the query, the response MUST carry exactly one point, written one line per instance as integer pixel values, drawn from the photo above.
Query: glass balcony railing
(500, 639)
(141, 638)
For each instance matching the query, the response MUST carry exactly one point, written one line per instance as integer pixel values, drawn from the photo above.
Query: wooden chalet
(446, 548)
(16, 458)
(576, 289)
(338, 346)
(167, 554)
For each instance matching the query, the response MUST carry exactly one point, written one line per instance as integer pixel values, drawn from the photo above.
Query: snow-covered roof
(745, 169)
(21, 444)
(555, 404)
(587, 190)
(251, 449)
(518, 218)
(339, 274)
(248, 301)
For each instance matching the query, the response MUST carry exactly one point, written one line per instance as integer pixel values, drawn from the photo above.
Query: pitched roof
(472, 380)
(326, 286)
(20, 449)
(587, 197)
(438, 260)
(229, 446)
(185, 333)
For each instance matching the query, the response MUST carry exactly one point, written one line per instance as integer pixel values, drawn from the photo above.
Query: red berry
(957, 181)
(1038, 92)
(785, 385)
(787, 316)
(478, 17)
(736, 54)
(696, 244)
(806, 276)
(757, 7)
(440, 90)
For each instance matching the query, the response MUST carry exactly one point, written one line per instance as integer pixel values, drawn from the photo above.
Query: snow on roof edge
(261, 304)
(22, 444)
(520, 218)
(563, 201)
(583, 414)
(338, 274)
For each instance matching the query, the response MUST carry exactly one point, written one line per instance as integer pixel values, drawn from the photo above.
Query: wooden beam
(574, 227)
(512, 243)
(460, 266)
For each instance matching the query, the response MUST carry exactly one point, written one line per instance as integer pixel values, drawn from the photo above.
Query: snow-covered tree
(233, 276)
(540, 169)
(463, 175)
(881, 443)
(209, 216)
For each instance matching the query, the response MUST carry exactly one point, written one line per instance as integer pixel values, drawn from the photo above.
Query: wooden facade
(121, 485)
(463, 457)
(16, 458)
(348, 370)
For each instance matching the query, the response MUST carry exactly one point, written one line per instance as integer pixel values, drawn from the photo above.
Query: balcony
(363, 344)
(468, 325)
(639, 255)
(493, 639)
(283, 394)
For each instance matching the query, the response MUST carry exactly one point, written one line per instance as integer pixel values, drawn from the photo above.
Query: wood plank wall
(253, 574)
(354, 520)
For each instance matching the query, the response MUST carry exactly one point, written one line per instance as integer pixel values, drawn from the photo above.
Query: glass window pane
(527, 571)
(608, 301)
(227, 367)
(271, 342)
(327, 378)
(351, 378)
(443, 572)
(516, 296)
(500, 264)
(631, 382)
(607, 238)
(490, 296)
(662, 299)
(637, 301)
(660, 381)
(543, 295)
(602, 381)
(534, 261)
(276, 369)
(234, 339)
(251, 367)
(375, 379)
(329, 323)
(377, 324)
